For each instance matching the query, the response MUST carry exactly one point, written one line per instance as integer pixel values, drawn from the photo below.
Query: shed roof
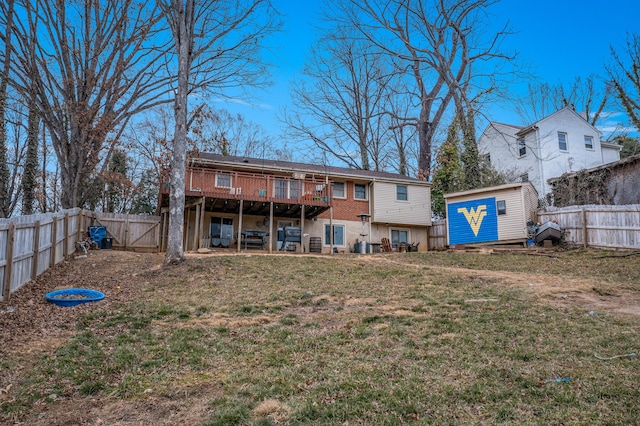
(489, 189)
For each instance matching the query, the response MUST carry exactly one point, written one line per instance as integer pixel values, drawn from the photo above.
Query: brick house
(232, 202)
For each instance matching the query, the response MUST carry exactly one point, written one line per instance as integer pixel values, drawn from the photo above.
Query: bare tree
(624, 74)
(233, 134)
(217, 46)
(438, 43)
(92, 65)
(340, 101)
(7, 14)
(585, 95)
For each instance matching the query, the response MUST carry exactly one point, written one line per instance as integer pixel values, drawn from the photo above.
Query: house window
(588, 142)
(360, 191)
(338, 190)
(283, 188)
(524, 177)
(522, 148)
(294, 189)
(338, 235)
(562, 141)
(280, 188)
(402, 193)
(223, 180)
(502, 207)
(399, 236)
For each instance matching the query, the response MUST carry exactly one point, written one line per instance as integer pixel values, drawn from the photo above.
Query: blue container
(73, 296)
(97, 233)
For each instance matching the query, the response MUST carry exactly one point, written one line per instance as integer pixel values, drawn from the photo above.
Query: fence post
(81, 220)
(9, 267)
(54, 241)
(36, 250)
(126, 233)
(65, 243)
(584, 227)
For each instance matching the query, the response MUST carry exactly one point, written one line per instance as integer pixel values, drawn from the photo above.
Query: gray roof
(287, 166)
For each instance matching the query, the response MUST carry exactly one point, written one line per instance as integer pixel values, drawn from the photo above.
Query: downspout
(371, 212)
(191, 176)
(543, 184)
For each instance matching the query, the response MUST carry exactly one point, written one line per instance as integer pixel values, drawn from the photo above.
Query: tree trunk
(425, 136)
(29, 180)
(5, 196)
(175, 249)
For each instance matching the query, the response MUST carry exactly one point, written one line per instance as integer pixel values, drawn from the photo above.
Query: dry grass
(430, 338)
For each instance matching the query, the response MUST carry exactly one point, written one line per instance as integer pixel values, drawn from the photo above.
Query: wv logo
(474, 217)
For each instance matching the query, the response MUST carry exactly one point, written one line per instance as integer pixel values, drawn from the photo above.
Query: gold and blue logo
(474, 217)
(472, 221)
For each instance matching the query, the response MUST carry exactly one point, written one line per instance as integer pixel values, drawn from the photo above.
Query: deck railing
(294, 189)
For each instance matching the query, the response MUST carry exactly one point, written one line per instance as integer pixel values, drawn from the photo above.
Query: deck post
(196, 230)
(239, 244)
(330, 230)
(201, 229)
(302, 229)
(271, 228)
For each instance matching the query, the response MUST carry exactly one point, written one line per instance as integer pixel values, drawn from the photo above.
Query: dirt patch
(27, 319)
(557, 291)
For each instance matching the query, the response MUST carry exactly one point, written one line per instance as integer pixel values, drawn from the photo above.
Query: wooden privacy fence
(598, 226)
(29, 245)
(438, 234)
(129, 232)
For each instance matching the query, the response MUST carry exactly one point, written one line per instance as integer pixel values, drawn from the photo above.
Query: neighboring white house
(559, 143)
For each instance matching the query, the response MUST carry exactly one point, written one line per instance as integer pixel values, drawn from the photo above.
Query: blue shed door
(473, 221)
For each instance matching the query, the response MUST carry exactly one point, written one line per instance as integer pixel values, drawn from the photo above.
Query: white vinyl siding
(387, 209)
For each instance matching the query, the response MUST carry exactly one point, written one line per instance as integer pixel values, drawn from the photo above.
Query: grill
(287, 236)
(254, 238)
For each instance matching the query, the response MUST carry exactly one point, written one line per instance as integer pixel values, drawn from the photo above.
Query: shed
(491, 215)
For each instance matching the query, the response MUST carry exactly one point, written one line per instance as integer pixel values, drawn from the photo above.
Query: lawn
(419, 338)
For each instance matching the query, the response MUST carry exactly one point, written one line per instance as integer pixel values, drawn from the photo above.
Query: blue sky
(561, 39)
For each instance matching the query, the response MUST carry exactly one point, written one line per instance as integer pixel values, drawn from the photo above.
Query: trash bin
(97, 233)
(107, 243)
